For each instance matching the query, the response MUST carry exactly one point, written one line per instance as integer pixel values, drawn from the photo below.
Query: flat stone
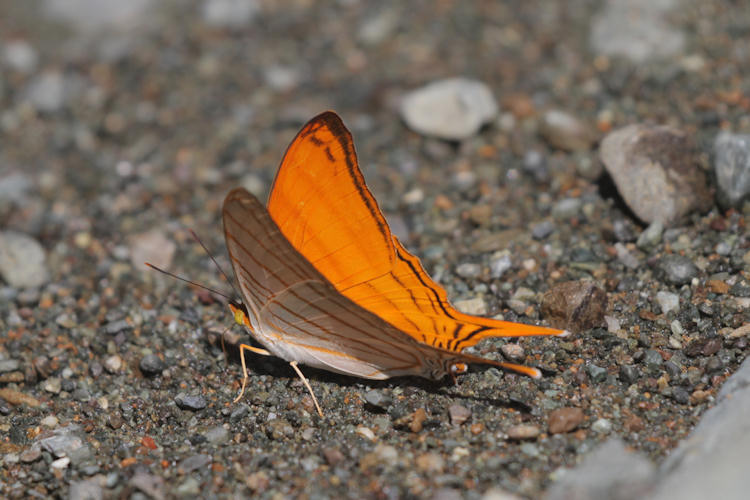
(453, 109)
(564, 420)
(732, 167)
(575, 305)
(566, 131)
(677, 269)
(22, 260)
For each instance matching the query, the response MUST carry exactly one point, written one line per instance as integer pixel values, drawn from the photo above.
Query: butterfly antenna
(188, 281)
(205, 249)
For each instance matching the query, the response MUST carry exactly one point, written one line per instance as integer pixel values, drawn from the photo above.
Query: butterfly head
(239, 312)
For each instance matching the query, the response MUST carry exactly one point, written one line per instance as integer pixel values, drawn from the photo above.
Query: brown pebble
(699, 396)
(18, 398)
(14, 377)
(718, 286)
(418, 418)
(633, 423)
(430, 462)
(712, 346)
(564, 420)
(513, 351)
(333, 456)
(575, 305)
(115, 420)
(459, 414)
(523, 431)
(476, 428)
(31, 455)
(257, 482)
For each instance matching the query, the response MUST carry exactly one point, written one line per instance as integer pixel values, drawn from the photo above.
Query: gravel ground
(588, 168)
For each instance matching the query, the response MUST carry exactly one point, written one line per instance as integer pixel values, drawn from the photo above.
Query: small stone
(513, 352)
(575, 305)
(53, 385)
(232, 14)
(628, 374)
(9, 365)
(114, 327)
(495, 493)
(113, 363)
(217, 435)
(680, 395)
(602, 426)
(189, 488)
(194, 462)
(625, 257)
(150, 484)
(413, 197)
(366, 433)
(523, 431)
(193, 403)
(151, 364)
(564, 420)
(668, 302)
(651, 236)
(499, 263)
(565, 131)
(677, 269)
(597, 373)
(430, 462)
(530, 450)
(46, 92)
(30, 456)
(459, 414)
(452, 109)
(19, 55)
(257, 482)
(469, 270)
(732, 167)
(383, 454)
(60, 463)
(567, 208)
(476, 306)
(652, 359)
(542, 229)
(333, 456)
(378, 399)
(656, 171)
(22, 260)
(50, 421)
(88, 489)
(153, 247)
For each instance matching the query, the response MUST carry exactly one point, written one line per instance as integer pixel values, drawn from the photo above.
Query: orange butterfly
(325, 283)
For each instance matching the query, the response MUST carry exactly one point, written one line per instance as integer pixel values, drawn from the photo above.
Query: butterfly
(325, 283)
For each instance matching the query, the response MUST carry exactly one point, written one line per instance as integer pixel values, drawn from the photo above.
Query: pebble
(597, 373)
(513, 351)
(668, 301)
(628, 374)
(647, 34)
(469, 270)
(30, 456)
(88, 489)
(60, 463)
(188, 402)
(378, 399)
(9, 365)
(564, 420)
(732, 168)
(150, 484)
(652, 359)
(50, 421)
(20, 56)
(189, 488)
(430, 462)
(500, 262)
(567, 208)
(153, 247)
(656, 172)
(541, 230)
(476, 306)
(575, 305)
(53, 385)
(602, 426)
(22, 260)
(523, 431)
(230, 13)
(46, 91)
(610, 471)
(366, 433)
(151, 364)
(194, 462)
(113, 363)
(678, 269)
(565, 131)
(625, 257)
(217, 435)
(453, 109)
(459, 414)
(333, 456)
(383, 454)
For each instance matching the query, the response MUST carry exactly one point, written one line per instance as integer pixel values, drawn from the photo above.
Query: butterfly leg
(256, 350)
(304, 381)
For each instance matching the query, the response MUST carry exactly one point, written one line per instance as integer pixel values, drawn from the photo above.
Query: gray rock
(636, 29)
(469, 270)
(651, 236)
(566, 208)
(565, 131)
(150, 484)
(194, 403)
(656, 171)
(378, 399)
(678, 269)
(230, 13)
(542, 229)
(597, 373)
(500, 262)
(9, 365)
(65, 441)
(709, 463)
(453, 109)
(14, 188)
(151, 364)
(90, 489)
(652, 359)
(96, 15)
(610, 471)
(732, 167)
(217, 435)
(194, 462)
(19, 55)
(22, 260)
(668, 301)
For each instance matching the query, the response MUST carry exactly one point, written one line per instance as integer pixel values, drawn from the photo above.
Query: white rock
(229, 13)
(20, 56)
(22, 260)
(453, 109)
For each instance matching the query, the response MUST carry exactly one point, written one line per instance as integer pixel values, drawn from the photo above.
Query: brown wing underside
(289, 297)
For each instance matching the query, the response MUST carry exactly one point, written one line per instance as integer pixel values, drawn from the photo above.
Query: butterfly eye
(459, 368)
(238, 313)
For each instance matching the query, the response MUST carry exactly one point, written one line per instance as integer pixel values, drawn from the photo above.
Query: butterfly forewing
(323, 207)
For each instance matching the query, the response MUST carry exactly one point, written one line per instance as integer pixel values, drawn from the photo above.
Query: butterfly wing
(300, 316)
(321, 203)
